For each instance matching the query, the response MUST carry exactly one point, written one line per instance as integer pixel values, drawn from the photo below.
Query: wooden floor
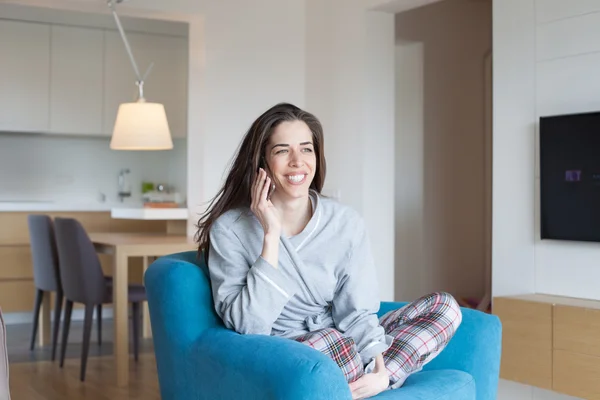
(44, 380)
(18, 338)
(34, 377)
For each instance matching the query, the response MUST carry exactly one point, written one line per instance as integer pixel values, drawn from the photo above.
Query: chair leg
(136, 329)
(57, 312)
(65, 334)
(99, 316)
(39, 296)
(87, 332)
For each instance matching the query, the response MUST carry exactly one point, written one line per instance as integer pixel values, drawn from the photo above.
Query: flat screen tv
(570, 177)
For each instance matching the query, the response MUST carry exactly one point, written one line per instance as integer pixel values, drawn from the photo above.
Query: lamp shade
(141, 126)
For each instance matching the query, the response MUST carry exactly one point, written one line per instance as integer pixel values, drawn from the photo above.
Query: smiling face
(292, 161)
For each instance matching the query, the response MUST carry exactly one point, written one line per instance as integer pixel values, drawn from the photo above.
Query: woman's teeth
(296, 178)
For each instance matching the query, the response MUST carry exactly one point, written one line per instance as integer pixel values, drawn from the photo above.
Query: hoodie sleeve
(248, 297)
(356, 300)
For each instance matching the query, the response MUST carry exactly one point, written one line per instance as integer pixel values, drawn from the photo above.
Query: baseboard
(16, 318)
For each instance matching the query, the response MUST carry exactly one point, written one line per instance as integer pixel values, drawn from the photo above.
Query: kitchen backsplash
(79, 169)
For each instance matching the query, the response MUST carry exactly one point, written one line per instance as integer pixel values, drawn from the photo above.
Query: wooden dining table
(121, 246)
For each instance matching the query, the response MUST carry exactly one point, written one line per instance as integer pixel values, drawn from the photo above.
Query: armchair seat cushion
(445, 384)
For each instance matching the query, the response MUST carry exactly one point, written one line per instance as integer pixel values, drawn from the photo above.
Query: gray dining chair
(45, 272)
(83, 281)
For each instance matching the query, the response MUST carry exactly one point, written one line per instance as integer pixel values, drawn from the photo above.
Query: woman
(286, 261)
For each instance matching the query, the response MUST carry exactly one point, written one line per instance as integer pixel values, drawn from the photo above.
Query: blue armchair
(198, 358)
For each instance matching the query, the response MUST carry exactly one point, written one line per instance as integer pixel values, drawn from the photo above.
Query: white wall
(514, 151)
(378, 146)
(441, 159)
(411, 278)
(546, 58)
(246, 71)
(349, 86)
(76, 170)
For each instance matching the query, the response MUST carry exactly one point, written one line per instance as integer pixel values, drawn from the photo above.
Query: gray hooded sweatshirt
(325, 278)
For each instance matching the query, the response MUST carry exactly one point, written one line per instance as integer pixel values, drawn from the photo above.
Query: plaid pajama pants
(421, 330)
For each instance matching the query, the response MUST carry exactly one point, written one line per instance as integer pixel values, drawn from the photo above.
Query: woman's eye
(281, 151)
(307, 150)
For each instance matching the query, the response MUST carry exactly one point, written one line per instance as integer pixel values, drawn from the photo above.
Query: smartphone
(263, 165)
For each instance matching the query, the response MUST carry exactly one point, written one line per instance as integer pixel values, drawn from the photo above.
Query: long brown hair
(235, 192)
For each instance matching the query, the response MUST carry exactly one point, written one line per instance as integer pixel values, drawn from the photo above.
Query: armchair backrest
(4, 387)
(180, 297)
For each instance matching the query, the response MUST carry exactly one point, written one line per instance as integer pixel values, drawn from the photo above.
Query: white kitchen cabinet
(76, 84)
(166, 84)
(57, 78)
(24, 76)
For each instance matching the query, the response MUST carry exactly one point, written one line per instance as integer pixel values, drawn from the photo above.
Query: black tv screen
(570, 177)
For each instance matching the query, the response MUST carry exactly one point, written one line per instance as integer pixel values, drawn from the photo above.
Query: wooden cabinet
(24, 76)
(577, 350)
(526, 341)
(16, 263)
(551, 342)
(17, 295)
(166, 84)
(76, 80)
(576, 374)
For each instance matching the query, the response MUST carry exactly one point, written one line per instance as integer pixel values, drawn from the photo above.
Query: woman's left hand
(373, 383)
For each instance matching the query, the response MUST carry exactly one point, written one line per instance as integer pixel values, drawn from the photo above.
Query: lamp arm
(111, 4)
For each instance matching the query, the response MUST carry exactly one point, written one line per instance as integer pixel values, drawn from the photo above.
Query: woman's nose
(296, 160)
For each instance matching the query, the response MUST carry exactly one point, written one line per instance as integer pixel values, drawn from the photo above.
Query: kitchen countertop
(150, 213)
(120, 210)
(117, 210)
(49, 206)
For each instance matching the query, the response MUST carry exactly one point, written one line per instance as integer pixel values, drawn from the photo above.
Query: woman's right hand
(263, 208)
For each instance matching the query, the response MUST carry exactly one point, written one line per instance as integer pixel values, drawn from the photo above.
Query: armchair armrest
(260, 366)
(475, 349)
(179, 300)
